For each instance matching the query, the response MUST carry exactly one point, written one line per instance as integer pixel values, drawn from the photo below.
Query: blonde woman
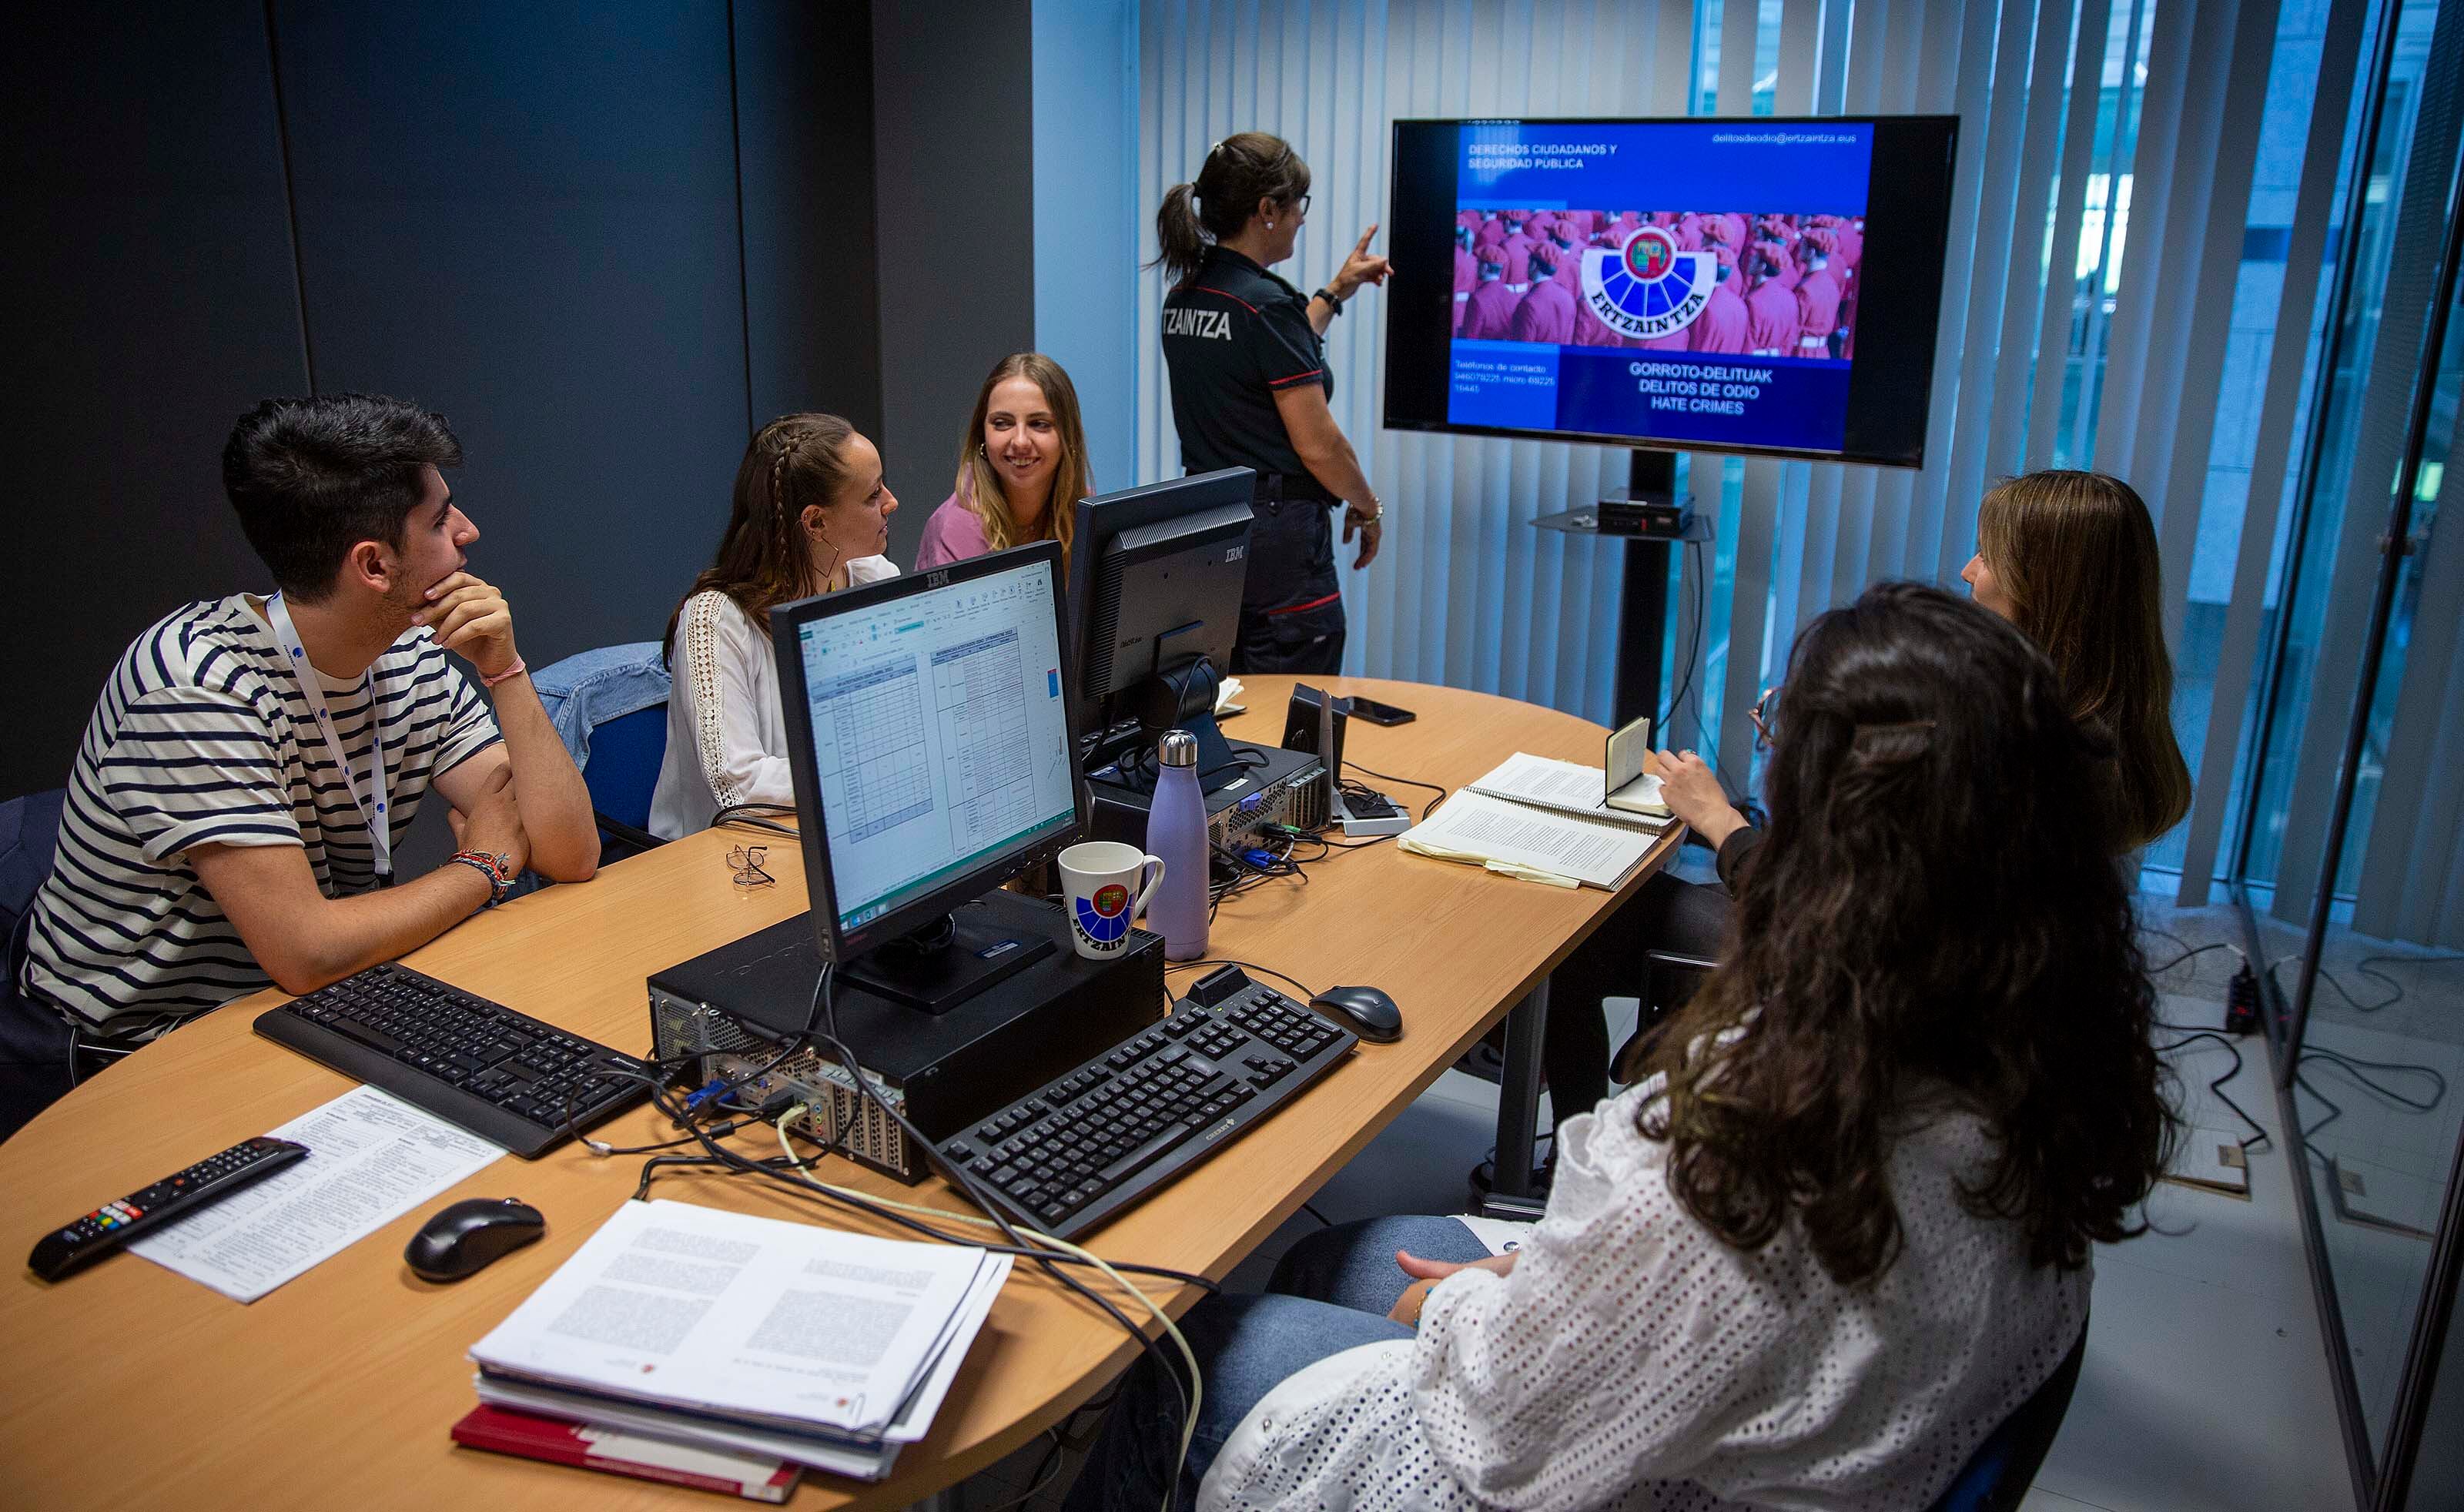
(1022, 467)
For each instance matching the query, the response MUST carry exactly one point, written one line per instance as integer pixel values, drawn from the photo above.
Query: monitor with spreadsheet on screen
(928, 736)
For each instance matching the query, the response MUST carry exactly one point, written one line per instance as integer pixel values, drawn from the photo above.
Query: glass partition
(2349, 868)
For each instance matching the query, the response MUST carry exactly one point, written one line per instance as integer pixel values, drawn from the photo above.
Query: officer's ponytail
(1239, 171)
(1179, 234)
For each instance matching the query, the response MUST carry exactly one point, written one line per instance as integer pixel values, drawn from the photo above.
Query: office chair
(35, 1044)
(609, 706)
(1669, 981)
(1996, 1478)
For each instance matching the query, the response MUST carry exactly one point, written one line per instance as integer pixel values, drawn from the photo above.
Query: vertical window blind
(2142, 201)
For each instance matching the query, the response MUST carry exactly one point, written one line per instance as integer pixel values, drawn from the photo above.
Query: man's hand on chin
(472, 619)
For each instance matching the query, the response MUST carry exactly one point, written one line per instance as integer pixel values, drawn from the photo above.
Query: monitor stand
(942, 965)
(1183, 698)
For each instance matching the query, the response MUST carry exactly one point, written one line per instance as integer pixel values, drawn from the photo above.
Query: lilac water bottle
(1176, 833)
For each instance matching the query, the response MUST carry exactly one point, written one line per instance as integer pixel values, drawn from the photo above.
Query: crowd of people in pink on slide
(1787, 283)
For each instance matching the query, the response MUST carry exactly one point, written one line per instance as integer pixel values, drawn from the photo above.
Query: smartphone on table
(1380, 713)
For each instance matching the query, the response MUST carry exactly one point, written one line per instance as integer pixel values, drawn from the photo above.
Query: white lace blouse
(727, 739)
(1634, 1360)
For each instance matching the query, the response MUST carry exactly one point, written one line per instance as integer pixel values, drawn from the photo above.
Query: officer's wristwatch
(1333, 301)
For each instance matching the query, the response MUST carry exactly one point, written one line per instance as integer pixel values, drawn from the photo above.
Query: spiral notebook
(1581, 791)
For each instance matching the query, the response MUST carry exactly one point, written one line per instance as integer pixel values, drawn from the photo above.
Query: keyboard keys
(1099, 1137)
(476, 1063)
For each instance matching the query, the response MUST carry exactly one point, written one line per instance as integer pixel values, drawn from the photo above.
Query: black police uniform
(1234, 336)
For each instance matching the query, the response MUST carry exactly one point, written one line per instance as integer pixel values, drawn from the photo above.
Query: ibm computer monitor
(1653, 327)
(929, 735)
(1155, 578)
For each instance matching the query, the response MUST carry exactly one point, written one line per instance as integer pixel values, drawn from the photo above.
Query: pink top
(953, 534)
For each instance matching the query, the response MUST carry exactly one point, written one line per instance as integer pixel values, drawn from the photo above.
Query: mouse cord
(1183, 965)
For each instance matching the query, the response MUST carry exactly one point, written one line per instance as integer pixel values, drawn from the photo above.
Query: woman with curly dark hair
(1840, 1232)
(2069, 557)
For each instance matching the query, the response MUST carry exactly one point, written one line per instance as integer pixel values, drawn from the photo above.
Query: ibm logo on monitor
(936, 580)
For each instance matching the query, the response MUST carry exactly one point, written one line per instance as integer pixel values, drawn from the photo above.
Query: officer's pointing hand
(1362, 267)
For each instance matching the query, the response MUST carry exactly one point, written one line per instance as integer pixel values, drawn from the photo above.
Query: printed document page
(373, 1158)
(1471, 826)
(1560, 786)
(765, 1320)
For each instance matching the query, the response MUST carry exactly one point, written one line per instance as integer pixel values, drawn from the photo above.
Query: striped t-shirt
(203, 736)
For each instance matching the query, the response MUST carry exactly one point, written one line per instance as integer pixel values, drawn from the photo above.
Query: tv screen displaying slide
(1758, 285)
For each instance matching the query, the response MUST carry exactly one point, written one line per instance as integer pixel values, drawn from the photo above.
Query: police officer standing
(1250, 389)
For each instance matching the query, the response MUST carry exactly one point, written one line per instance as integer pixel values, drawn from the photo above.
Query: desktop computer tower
(1277, 787)
(943, 1071)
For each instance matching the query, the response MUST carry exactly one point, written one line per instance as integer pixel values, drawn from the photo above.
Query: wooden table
(130, 1385)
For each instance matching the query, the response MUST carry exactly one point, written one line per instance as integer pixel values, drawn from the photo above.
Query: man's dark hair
(311, 477)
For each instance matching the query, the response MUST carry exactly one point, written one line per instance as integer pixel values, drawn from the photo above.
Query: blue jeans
(1331, 1293)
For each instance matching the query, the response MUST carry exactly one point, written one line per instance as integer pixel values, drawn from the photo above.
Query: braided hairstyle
(1239, 171)
(796, 463)
(1933, 919)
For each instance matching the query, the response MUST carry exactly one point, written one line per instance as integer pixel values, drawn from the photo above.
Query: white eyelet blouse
(1632, 1359)
(727, 738)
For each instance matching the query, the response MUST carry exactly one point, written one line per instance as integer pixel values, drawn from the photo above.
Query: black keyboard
(1086, 1146)
(504, 1076)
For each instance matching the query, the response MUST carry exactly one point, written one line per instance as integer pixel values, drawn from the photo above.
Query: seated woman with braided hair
(1837, 1234)
(811, 515)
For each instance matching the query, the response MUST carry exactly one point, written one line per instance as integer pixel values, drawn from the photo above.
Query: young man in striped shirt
(232, 808)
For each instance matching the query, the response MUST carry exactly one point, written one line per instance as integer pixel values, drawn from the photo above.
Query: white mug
(1106, 884)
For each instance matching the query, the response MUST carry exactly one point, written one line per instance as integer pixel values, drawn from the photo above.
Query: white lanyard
(380, 823)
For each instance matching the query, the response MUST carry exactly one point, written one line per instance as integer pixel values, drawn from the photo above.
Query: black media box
(943, 1071)
(1657, 518)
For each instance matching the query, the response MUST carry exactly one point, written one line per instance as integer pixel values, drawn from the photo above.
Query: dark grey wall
(534, 218)
(953, 98)
(804, 121)
(525, 218)
(146, 258)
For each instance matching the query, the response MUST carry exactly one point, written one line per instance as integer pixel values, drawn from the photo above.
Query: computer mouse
(1371, 1014)
(468, 1236)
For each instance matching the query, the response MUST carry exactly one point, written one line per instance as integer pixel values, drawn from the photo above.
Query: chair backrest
(1996, 1476)
(30, 832)
(609, 707)
(624, 769)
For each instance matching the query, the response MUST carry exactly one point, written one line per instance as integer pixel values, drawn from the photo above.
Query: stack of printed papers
(685, 1322)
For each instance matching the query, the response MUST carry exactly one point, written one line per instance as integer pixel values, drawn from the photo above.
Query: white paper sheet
(372, 1158)
(765, 1320)
(1566, 788)
(1538, 844)
(863, 1464)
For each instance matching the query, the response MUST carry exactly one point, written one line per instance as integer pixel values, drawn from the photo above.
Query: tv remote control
(173, 1197)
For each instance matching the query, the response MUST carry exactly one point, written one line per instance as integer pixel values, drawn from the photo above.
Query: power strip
(2242, 1002)
(1393, 822)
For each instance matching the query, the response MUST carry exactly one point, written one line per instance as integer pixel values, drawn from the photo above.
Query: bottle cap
(1178, 748)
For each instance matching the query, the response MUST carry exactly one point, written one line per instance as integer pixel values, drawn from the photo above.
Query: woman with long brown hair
(1022, 467)
(2069, 558)
(811, 514)
(1838, 1235)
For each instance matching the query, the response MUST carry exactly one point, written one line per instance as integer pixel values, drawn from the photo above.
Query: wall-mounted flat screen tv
(1762, 286)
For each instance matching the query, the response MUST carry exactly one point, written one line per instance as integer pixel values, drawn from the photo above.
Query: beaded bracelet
(497, 869)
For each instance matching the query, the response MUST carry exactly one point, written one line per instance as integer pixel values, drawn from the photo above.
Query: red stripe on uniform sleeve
(1281, 383)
